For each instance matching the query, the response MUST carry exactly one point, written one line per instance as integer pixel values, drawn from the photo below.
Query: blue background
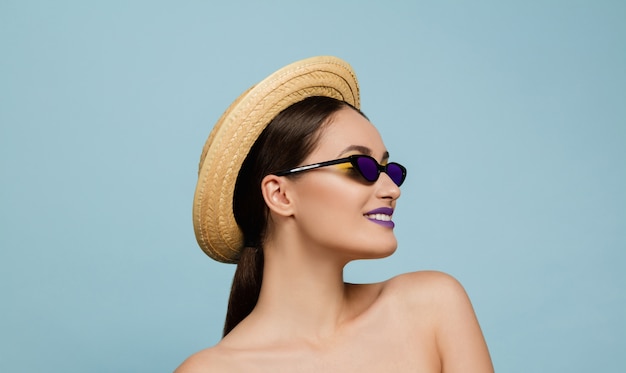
(510, 116)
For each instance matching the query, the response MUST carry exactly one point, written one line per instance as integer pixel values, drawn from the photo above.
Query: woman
(295, 183)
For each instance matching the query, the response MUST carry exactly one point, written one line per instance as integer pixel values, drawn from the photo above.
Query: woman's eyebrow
(359, 148)
(363, 150)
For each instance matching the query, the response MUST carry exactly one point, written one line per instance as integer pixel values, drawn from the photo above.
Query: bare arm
(460, 341)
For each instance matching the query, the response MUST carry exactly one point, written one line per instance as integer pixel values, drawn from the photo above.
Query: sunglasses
(367, 166)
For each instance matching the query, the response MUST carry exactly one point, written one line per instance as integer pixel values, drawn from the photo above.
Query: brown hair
(288, 139)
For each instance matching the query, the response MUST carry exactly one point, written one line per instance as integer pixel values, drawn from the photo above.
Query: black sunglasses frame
(353, 159)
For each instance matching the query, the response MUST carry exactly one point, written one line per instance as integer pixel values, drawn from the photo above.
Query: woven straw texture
(236, 131)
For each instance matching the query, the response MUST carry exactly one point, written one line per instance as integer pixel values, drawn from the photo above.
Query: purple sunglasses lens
(368, 168)
(396, 173)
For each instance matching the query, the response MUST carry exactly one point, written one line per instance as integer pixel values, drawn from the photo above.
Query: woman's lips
(381, 216)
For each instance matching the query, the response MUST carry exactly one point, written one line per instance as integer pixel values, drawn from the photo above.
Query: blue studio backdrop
(509, 115)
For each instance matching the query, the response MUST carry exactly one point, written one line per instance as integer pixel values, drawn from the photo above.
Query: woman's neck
(303, 296)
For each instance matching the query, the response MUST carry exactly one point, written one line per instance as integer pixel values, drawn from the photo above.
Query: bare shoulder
(441, 301)
(431, 287)
(421, 277)
(435, 295)
(207, 360)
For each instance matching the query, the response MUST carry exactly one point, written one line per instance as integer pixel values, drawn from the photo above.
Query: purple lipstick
(381, 216)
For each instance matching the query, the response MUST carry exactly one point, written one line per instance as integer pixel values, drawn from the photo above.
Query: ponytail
(246, 287)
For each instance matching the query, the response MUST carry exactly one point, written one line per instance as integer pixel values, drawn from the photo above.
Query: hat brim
(236, 131)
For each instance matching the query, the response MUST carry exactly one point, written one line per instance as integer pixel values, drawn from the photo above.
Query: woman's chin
(382, 251)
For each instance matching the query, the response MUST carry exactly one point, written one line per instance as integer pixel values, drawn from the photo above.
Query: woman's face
(335, 208)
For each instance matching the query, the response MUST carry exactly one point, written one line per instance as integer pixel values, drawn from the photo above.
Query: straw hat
(236, 131)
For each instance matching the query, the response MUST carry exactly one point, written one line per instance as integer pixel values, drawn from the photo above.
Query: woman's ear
(275, 191)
